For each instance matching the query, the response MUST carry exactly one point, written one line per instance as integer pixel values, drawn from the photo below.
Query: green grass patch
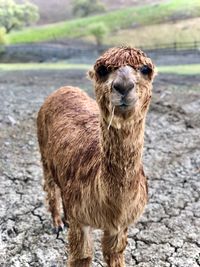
(43, 66)
(193, 69)
(115, 20)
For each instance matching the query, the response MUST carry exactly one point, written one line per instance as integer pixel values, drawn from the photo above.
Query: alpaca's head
(123, 82)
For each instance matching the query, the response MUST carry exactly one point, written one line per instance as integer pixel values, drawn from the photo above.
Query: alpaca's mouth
(125, 105)
(124, 102)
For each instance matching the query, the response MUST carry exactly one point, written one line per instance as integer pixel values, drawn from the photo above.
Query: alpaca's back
(68, 130)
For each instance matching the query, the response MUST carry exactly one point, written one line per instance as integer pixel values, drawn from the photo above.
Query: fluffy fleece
(91, 154)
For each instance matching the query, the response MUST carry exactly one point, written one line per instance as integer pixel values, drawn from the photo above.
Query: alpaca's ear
(155, 72)
(91, 74)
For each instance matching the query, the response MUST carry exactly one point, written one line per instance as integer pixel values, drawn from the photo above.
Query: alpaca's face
(123, 90)
(129, 88)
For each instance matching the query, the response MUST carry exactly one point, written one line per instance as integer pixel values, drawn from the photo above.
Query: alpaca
(92, 154)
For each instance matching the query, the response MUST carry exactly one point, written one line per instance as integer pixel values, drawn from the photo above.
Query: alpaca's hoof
(66, 224)
(57, 230)
(60, 227)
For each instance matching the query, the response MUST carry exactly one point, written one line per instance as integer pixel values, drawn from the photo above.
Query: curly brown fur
(117, 57)
(92, 154)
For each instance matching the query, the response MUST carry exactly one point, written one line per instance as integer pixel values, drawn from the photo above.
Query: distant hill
(52, 10)
(58, 10)
(171, 21)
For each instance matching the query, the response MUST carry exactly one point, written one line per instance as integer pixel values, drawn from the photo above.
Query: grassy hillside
(166, 33)
(115, 20)
(53, 10)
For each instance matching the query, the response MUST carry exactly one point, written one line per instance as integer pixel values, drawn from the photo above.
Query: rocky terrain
(167, 235)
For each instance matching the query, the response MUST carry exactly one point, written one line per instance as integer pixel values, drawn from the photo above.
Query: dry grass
(181, 31)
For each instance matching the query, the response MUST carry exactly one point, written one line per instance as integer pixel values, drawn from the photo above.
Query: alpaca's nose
(123, 87)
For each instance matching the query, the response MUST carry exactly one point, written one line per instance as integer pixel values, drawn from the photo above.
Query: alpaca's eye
(102, 71)
(146, 70)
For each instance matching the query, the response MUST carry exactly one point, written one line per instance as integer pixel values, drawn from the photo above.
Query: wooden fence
(55, 51)
(173, 47)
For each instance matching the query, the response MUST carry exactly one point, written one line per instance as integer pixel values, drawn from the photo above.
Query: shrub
(2, 36)
(83, 8)
(99, 31)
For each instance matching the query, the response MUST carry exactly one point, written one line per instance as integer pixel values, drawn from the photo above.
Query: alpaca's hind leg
(80, 246)
(53, 199)
(113, 246)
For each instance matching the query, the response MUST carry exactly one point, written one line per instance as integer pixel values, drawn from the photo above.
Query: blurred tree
(15, 16)
(83, 8)
(99, 31)
(2, 37)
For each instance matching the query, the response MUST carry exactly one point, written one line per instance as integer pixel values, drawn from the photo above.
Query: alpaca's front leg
(113, 248)
(53, 199)
(80, 246)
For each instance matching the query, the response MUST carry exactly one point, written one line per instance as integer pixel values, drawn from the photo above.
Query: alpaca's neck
(121, 151)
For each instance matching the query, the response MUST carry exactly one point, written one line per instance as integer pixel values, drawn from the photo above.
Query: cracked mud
(167, 235)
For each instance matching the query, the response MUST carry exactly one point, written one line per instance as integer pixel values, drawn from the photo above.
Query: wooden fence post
(195, 45)
(175, 46)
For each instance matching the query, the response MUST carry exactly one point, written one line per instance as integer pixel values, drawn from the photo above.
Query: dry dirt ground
(167, 235)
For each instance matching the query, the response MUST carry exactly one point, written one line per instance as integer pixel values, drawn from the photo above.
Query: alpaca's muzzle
(124, 89)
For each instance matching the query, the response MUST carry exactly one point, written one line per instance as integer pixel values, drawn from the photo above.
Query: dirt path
(168, 234)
